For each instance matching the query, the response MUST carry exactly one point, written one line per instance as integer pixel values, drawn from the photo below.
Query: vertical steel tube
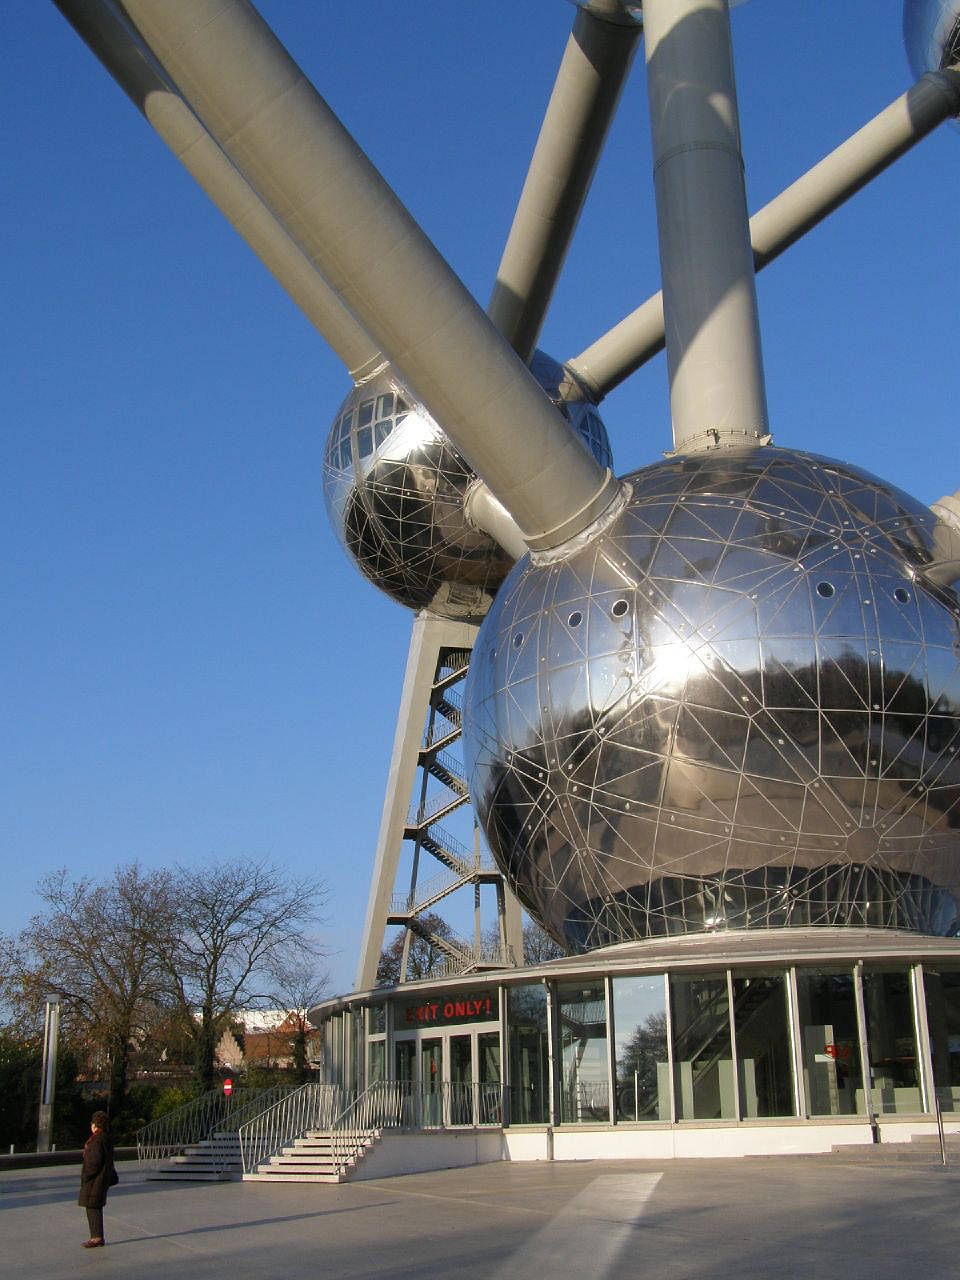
(717, 392)
(790, 215)
(584, 99)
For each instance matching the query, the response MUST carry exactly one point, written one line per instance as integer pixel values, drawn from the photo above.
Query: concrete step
(274, 1176)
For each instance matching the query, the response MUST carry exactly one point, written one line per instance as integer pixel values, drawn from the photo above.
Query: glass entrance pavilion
(787, 1040)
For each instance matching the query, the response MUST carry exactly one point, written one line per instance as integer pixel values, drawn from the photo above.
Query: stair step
(292, 1177)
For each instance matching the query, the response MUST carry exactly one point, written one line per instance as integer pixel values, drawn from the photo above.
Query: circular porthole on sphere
(518, 640)
(575, 618)
(620, 608)
(825, 589)
(901, 595)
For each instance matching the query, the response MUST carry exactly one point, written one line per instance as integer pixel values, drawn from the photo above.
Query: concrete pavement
(783, 1217)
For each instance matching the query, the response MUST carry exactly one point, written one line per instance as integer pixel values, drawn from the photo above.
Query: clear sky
(191, 668)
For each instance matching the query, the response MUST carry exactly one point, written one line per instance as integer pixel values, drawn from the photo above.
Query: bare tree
(94, 945)
(538, 945)
(300, 984)
(239, 922)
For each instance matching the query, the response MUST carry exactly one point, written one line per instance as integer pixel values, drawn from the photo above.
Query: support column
(717, 394)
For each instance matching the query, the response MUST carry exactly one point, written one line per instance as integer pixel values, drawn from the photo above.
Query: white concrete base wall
(398, 1153)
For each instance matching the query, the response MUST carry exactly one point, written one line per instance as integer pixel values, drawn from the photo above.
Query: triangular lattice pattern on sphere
(738, 707)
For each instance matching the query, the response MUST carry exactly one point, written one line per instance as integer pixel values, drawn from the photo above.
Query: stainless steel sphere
(394, 487)
(738, 707)
(931, 32)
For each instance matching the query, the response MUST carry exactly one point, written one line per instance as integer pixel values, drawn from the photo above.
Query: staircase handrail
(262, 1101)
(405, 1105)
(192, 1122)
(312, 1106)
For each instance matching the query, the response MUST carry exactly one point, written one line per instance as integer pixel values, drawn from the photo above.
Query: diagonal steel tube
(293, 151)
(131, 65)
(589, 82)
(790, 215)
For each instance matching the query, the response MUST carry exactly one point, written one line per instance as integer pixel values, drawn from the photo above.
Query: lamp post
(48, 1079)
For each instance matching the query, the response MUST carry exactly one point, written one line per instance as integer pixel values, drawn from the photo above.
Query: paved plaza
(779, 1217)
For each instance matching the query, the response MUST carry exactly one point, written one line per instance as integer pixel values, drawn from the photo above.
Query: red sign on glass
(445, 1010)
(228, 1087)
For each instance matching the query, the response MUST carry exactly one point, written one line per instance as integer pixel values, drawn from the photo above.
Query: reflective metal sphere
(394, 486)
(931, 32)
(739, 707)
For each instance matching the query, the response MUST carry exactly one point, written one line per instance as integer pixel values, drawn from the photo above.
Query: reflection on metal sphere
(394, 487)
(931, 32)
(739, 707)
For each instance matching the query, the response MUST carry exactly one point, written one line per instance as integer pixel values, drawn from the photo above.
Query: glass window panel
(527, 1047)
(943, 1016)
(702, 1057)
(385, 405)
(365, 416)
(488, 1069)
(461, 1080)
(891, 1042)
(365, 442)
(380, 433)
(829, 1047)
(642, 1060)
(584, 1087)
(377, 1061)
(762, 1030)
(378, 1019)
(431, 1079)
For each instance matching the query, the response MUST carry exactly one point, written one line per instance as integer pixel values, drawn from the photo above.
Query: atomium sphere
(738, 707)
(394, 488)
(931, 32)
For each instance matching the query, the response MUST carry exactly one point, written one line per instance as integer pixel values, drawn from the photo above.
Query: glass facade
(703, 1079)
(584, 1068)
(641, 1048)
(657, 1048)
(829, 1042)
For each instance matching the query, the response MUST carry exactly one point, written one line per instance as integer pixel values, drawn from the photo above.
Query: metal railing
(313, 1106)
(406, 1106)
(438, 886)
(230, 1127)
(168, 1135)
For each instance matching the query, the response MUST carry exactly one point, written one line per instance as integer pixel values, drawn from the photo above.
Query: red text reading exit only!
(449, 1010)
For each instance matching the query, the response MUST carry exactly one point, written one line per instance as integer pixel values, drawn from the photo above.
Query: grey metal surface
(931, 32)
(790, 215)
(394, 486)
(738, 708)
(286, 141)
(595, 64)
(152, 93)
(717, 394)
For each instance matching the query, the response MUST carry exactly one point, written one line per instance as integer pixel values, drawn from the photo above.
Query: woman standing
(97, 1176)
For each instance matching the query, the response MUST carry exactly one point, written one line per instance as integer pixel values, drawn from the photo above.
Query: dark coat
(96, 1176)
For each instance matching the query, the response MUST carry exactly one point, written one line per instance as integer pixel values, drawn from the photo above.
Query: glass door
(461, 1080)
(431, 1081)
(488, 1092)
(405, 1060)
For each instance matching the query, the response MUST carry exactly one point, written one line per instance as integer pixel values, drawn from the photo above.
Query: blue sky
(191, 668)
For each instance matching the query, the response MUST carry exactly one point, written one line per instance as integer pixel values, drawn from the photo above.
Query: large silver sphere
(739, 707)
(394, 487)
(931, 32)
